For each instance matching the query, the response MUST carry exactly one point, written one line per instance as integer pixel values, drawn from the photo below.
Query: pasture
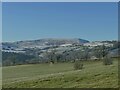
(61, 75)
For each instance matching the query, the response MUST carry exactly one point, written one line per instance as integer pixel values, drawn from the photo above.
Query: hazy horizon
(59, 38)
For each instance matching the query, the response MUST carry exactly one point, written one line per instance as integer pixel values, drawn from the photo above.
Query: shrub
(107, 61)
(78, 65)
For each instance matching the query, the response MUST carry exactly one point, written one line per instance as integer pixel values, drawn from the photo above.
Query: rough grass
(0, 77)
(94, 75)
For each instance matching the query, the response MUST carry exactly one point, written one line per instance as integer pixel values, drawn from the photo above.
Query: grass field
(61, 75)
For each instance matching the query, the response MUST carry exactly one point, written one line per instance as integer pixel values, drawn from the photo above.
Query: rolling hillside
(61, 75)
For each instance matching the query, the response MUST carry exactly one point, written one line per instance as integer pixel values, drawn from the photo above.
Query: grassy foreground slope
(94, 75)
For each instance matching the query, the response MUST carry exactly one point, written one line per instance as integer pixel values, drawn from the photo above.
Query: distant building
(64, 45)
(93, 44)
(94, 58)
(14, 51)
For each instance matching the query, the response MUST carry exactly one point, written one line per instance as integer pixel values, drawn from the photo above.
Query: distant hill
(43, 42)
(61, 50)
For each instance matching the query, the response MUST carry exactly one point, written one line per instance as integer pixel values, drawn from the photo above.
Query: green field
(61, 75)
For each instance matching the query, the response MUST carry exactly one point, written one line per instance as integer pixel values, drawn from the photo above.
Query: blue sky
(91, 21)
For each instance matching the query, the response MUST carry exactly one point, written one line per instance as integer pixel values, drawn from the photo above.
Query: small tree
(78, 65)
(104, 51)
(107, 61)
(97, 52)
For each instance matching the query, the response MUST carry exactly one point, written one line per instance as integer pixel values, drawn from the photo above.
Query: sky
(0, 23)
(29, 21)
